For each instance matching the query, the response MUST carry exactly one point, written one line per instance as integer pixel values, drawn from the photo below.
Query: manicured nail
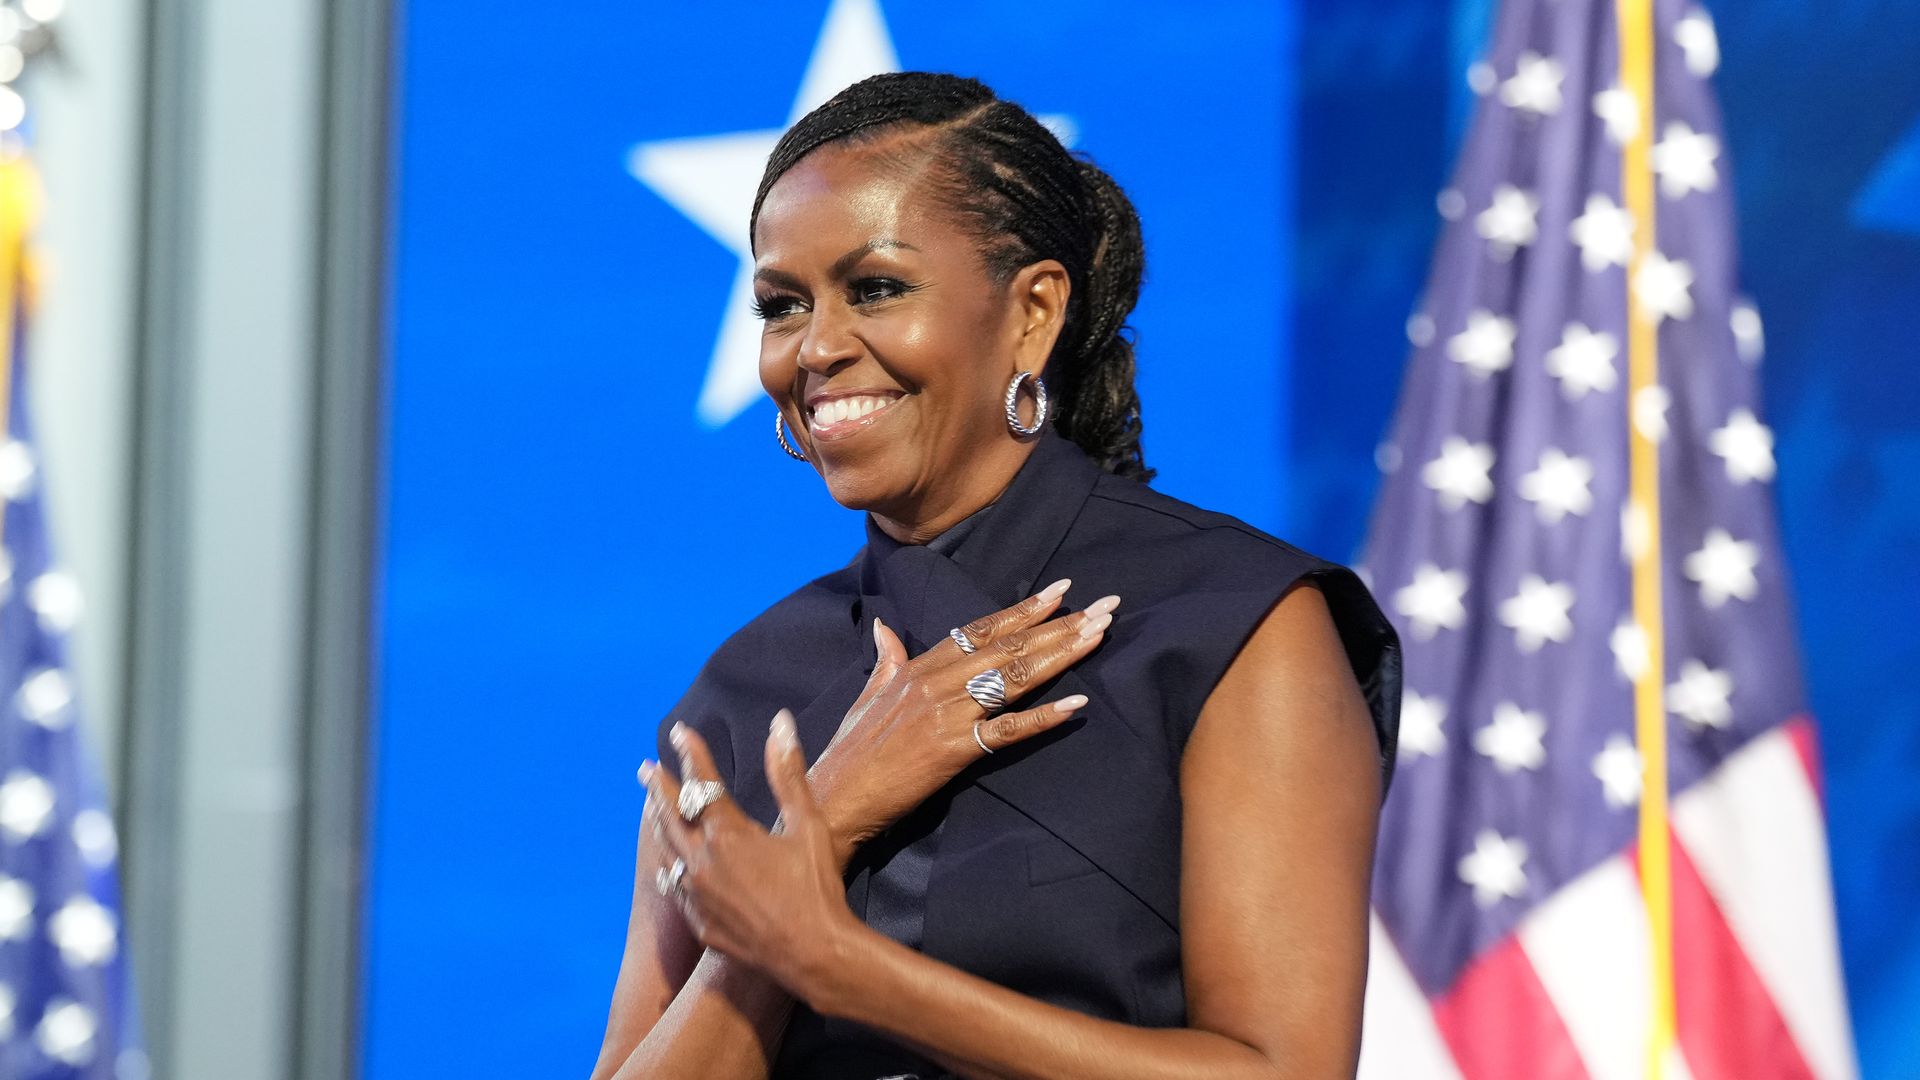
(876, 639)
(1070, 703)
(1056, 590)
(1103, 605)
(1092, 627)
(678, 735)
(785, 738)
(646, 773)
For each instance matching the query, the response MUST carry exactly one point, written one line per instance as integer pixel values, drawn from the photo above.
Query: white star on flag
(1421, 725)
(84, 932)
(1702, 696)
(1664, 287)
(1684, 159)
(1632, 652)
(55, 599)
(1620, 112)
(1723, 567)
(1583, 361)
(1486, 345)
(1558, 486)
(66, 1032)
(1694, 34)
(1535, 86)
(46, 698)
(1460, 473)
(1537, 613)
(1495, 868)
(1512, 740)
(1432, 601)
(26, 802)
(1603, 233)
(1509, 222)
(1617, 766)
(1747, 446)
(1650, 404)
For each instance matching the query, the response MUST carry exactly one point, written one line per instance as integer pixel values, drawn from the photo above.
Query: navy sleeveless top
(1053, 866)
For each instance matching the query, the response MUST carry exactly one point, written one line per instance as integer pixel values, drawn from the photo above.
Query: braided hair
(1024, 198)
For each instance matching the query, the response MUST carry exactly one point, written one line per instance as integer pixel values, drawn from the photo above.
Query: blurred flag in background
(66, 998)
(1604, 854)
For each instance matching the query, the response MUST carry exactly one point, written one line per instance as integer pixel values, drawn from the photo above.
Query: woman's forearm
(725, 1024)
(987, 1032)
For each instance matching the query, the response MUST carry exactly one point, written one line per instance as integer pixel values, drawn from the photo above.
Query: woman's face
(886, 345)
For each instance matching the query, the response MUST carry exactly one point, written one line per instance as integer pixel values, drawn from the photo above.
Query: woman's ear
(1039, 292)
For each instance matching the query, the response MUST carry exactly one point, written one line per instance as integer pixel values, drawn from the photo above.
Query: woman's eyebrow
(840, 265)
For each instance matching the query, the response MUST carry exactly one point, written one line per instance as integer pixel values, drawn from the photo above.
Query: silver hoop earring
(780, 432)
(1039, 404)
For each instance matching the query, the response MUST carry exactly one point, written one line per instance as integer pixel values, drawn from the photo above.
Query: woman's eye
(773, 307)
(868, 290)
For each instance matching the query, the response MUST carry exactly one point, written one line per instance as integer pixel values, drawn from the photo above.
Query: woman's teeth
(848, 408)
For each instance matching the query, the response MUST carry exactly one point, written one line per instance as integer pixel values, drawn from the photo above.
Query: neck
(982, 485)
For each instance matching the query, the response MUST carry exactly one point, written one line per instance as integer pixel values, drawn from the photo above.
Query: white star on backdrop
(1664, 287)
(1694, 34)
(55, 599)
(1723, 567)
(1509, 223)
(46, 698)
(84, 932)
(1535, 86)
(1512, 740)
(17, 470)
(1632, 652)
(1460, 473)
(712, 179)
(1684, 159)
(66, 1032)
(1603, 233)
(1650, 406)
(16, 909)
(1486, 345)
(1620, 112)
(1747, 446)
(1748, 334)
(1702, 696)
(26, 802)
(1421, 725)
(1537, 613)
(1495, 868)
(1433, 600)
(1583, 361)
(1617, 765)
(1558, 486)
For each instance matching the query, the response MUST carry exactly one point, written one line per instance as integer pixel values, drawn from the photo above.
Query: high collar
(1005, 553)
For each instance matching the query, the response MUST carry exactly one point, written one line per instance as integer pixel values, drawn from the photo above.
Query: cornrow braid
(1024, 198)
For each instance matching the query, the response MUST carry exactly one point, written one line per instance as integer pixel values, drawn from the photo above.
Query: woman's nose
(830, 341)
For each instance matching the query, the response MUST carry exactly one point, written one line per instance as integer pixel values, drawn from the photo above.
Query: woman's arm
(1281, 786)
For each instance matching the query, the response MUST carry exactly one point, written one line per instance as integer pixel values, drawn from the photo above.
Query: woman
(1127, 840)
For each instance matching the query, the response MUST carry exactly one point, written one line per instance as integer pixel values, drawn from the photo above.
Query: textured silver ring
(668, 880)
(1039, 404)
(961, 639)
(989, 689)
(976, 735)
(696, 796)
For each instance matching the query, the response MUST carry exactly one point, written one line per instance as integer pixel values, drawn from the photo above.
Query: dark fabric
(1055, 869)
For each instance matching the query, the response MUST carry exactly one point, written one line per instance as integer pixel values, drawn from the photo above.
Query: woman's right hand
(912, 728)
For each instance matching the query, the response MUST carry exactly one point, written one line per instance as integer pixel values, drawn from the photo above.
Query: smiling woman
(1000, 835)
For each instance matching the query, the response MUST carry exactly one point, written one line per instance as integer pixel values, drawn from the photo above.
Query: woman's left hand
(775, 900)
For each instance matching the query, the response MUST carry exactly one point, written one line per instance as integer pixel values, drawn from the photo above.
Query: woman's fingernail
(646, 773)
(1070, 703)
(1103, 605)
(785, 738)
(1095, 625)
(678, 735)
(1056, 590)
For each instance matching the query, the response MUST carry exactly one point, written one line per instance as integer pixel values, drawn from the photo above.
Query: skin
(1279, 781)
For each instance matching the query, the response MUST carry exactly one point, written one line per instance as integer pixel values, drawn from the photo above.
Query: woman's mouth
(838, 417)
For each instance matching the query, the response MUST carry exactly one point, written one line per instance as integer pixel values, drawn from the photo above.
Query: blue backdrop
(566, 538)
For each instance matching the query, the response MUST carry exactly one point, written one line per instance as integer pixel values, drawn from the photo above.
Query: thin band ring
(976, 735)
(668, 880)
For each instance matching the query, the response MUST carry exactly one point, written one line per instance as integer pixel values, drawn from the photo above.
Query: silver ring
(668, 880)
(976, 735)
(989, 689)
(961, 639)
(696, 796)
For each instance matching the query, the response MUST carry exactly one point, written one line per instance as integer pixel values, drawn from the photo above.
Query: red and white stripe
(1757, 983)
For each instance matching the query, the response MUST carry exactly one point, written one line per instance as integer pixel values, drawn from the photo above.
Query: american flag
(1604, 854)
(66, 1003)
